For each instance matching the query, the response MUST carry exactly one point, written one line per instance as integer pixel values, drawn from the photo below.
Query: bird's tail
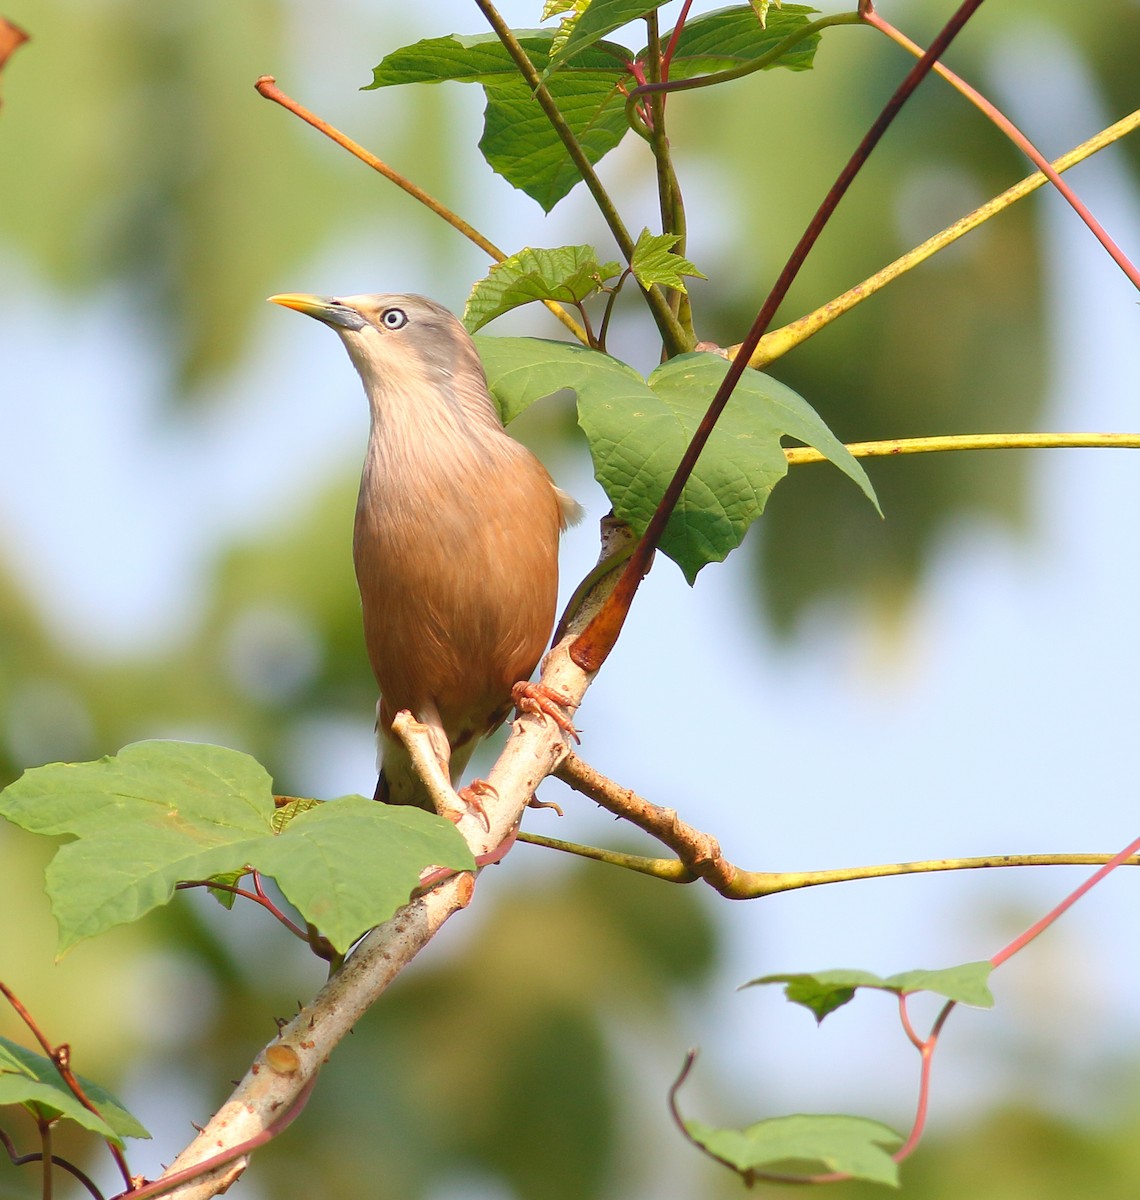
(383, 792)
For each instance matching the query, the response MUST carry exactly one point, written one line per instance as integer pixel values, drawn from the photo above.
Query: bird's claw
(547, 702)
(472, 795)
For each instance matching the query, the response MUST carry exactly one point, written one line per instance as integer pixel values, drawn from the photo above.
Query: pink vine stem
(1011, 131)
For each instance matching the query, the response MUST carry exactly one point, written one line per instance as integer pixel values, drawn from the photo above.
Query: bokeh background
(179, 473)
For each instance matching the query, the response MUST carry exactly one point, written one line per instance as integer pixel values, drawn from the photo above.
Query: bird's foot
(472, 795)
(547, 702)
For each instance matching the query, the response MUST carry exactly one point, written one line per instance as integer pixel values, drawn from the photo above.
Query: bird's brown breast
(457, 566)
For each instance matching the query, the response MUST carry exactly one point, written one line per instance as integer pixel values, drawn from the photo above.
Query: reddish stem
(908, 1027)
(671, 48)
(1018, 138)
(258, 896)
(169, 1182)
(61, 1059)
(1025, 938)
(926, 1048)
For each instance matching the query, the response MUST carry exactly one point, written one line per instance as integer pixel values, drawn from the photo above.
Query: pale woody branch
(283, 1071)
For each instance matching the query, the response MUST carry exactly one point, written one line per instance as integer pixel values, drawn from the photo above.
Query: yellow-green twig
(972, 441)
(756, 884)
(779, 341)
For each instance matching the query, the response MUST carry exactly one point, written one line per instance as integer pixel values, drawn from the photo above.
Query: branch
(60, 1057)
(267, 87)
(20, 1160)
(699, 855)
(699, 852)
(670, 329)
(1011, 131)
(891, 447)
(777, 343)
(288, 1065)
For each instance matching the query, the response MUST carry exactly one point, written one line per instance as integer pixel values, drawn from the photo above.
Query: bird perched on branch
(456, 538)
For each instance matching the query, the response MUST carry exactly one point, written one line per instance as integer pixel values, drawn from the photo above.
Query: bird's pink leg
(545, 701)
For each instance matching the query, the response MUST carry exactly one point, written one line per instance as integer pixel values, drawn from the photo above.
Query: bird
(455, 542)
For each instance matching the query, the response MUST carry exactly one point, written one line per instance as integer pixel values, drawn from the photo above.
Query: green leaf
(155, 814)
(636, 451)
(223, 895)
(653, 261)
(351, 863)
(733, 37)
(31, 1079)
(967, 983)
(806, 1144)
(480, 58)
(824, 991)
(638, 429)
(518, 141)
(520, 144)
(160, 813)
(523, 370)
(568, 274)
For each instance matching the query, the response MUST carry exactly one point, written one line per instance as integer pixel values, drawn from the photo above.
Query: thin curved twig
(20, 1160)
(267, 86)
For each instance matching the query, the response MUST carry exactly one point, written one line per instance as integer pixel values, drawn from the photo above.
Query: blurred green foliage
(135, 156)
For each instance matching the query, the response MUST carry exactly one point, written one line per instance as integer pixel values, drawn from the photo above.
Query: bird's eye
(393, 318)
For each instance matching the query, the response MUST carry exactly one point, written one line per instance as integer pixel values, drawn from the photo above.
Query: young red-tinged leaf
(518, 140)
(653, 261)
(573, 10)
(638, 429)
(32, 1080)
(599, 18)
(159, 813)
(567, 274)
(806, 1144)
(824, 991)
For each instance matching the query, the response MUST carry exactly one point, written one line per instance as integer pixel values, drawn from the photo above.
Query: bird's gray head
(396, 341)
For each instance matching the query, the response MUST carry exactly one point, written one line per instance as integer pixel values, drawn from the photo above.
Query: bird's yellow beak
(324, 308)
(312, 306)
